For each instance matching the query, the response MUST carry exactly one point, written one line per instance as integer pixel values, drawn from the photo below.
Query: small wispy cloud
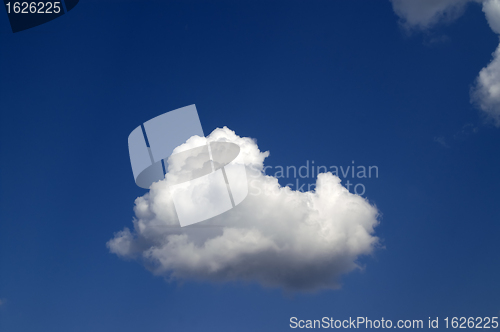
(467, 130)
(435, 40)
(463, 134)
(442, 141)
(424, 14)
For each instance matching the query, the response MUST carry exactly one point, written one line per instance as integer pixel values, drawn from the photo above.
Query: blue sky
(329, 81)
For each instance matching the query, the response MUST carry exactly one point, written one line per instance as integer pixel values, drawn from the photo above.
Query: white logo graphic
(204, 180)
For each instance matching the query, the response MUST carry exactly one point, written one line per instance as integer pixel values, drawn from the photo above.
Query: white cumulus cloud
(486, 91)
(299, 241)
(423, 14)
(491, 9)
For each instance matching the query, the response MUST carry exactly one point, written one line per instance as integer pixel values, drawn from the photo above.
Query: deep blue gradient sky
(329, 81)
